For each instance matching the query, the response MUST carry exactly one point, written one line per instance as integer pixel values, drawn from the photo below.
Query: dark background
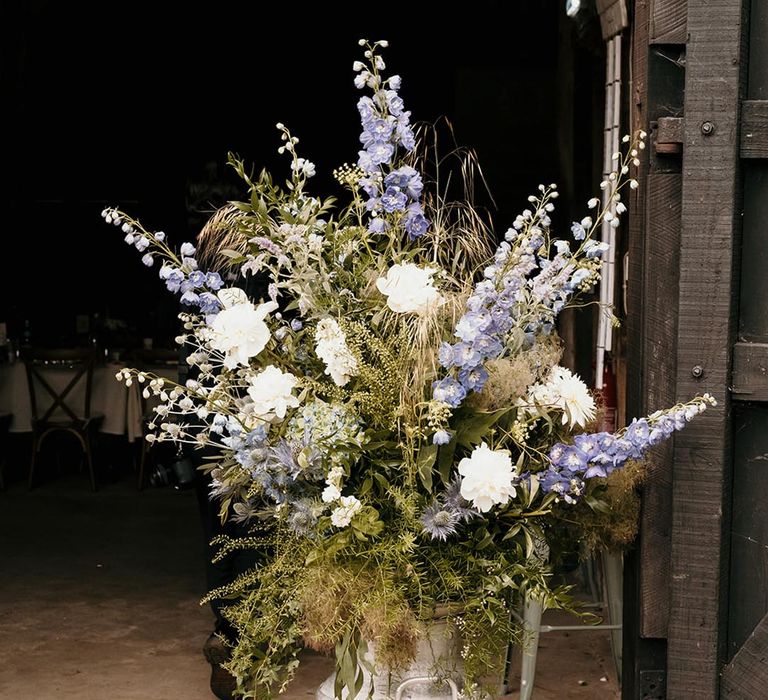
(135, 105)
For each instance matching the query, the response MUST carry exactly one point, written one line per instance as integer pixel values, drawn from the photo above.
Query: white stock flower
(238, 330)
(331, 347)
(271, 391)
(409, 288)
(488, 478)
(564, 390)
(342, 515)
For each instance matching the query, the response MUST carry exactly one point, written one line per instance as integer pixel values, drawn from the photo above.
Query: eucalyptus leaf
(425, 460)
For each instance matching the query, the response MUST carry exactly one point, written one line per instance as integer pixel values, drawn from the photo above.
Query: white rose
(330, 494)
(409, 288)
(342, 515)
(488, 478)
(238, 330)
(271, 391)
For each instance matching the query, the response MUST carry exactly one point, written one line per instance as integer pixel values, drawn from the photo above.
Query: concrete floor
(99, 601)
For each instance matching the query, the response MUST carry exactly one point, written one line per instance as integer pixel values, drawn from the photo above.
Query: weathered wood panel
(661, 274)
(754, 129)
(750, 371)
(701, 491)
(668, 22)
(746, 677)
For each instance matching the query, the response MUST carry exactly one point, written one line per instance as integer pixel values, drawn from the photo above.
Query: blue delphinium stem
(598, 454)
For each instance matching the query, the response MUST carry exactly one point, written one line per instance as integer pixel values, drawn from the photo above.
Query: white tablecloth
(119, 406)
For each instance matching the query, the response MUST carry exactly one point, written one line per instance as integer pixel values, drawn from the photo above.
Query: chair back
(69, 392)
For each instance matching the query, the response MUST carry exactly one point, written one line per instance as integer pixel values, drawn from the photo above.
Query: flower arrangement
(387, 413)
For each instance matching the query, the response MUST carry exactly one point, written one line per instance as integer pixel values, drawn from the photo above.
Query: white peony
(342, 515)
(409, 288)
(271, 391)
(238, 330)
(564, 390)
(331, 347)
(488, 478)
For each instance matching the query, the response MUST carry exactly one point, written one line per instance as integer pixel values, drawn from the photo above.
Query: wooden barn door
(698, 321)
(746, 676)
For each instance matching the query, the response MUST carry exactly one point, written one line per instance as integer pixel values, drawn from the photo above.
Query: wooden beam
(668, 22)
(754, 129)
(714, 84)
(750, 372)
(660, 293)
(613, 17)
(643, 655)
(746, 677)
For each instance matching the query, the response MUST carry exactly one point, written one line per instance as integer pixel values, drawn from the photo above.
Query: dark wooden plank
(750, 371)
(640, 653)
(701, 492)
(754, 129)
(746, 677)
(748, 581)
(757, 88)
(668, 22)
(661, 274)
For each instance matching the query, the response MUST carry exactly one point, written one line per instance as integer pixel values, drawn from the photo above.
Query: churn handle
(425, 679)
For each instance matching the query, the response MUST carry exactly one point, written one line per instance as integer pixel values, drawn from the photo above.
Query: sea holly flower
(439, 522)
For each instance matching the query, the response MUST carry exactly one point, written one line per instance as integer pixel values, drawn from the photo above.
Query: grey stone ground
(99, 601)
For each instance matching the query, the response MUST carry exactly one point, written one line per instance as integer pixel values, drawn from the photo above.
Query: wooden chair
(67, 412)
(5, 424)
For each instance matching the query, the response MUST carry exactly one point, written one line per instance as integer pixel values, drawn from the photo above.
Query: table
(119, 405)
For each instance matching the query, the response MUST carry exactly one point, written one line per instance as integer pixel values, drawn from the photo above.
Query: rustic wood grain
(659, 340)
(701, 490)
(750, 371)
(746, 677)
(754, 129)
(641, 653)
(668, 22)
